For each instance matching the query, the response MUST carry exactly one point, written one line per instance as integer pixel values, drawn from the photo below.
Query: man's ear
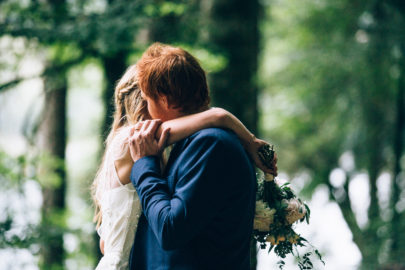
(165, 102)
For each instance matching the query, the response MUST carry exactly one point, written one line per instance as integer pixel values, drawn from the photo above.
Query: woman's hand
(253, 148)
(143, 142)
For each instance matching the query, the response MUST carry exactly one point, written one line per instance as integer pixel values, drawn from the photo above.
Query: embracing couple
(176, 188)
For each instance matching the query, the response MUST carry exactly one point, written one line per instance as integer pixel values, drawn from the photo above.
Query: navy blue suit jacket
(198, 213)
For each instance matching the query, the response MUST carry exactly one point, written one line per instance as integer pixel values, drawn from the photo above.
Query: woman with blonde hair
(117, 204)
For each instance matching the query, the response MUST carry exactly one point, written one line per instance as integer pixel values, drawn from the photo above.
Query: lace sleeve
(100, 231)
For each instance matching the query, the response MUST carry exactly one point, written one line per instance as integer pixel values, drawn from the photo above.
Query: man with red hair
(198, 212)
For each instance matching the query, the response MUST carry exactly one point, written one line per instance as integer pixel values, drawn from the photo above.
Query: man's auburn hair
(172, 72)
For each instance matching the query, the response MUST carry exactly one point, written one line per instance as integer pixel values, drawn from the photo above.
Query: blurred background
(323, 80)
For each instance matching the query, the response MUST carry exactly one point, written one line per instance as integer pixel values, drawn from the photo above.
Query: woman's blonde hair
(130, 108)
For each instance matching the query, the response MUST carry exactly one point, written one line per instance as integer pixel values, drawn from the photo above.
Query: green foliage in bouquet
(277, 209)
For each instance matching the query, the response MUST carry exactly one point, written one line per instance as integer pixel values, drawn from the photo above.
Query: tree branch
(49, 70)
(347, 212)
(10, 84)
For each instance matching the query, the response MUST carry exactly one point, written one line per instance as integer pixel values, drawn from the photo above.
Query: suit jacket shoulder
(224, 137)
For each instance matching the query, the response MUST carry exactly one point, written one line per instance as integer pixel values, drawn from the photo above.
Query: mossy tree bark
(52, 134)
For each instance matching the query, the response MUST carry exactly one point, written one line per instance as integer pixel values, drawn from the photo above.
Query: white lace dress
(120, 208)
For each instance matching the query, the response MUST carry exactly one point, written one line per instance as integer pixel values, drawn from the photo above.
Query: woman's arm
(183, 127)
(102, 246)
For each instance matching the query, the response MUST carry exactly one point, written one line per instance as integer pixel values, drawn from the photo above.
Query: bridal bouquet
(277, 210)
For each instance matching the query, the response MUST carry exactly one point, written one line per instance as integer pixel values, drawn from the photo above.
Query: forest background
(322, 80)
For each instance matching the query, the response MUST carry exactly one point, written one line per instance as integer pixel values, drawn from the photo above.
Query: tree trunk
(52, 140)
(397, 232)
(237, 38)
(114, 67)
(378, 51)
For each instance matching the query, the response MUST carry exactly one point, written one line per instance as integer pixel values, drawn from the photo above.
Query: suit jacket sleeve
(199, 192)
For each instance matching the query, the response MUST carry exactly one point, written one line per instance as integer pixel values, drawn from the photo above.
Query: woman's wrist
(252, 144)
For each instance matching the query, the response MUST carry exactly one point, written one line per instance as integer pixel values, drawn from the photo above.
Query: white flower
(295, 211)
(264, 217)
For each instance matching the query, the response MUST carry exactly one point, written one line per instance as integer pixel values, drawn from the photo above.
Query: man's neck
(176, 113)
(173, 114)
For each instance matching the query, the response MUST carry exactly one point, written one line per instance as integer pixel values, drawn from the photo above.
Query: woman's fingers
(153, 127)
(145, 126)
(266, 166)
(132, 149)
(275, 159)
(139, 125)
(136, 127)
(268, 170)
